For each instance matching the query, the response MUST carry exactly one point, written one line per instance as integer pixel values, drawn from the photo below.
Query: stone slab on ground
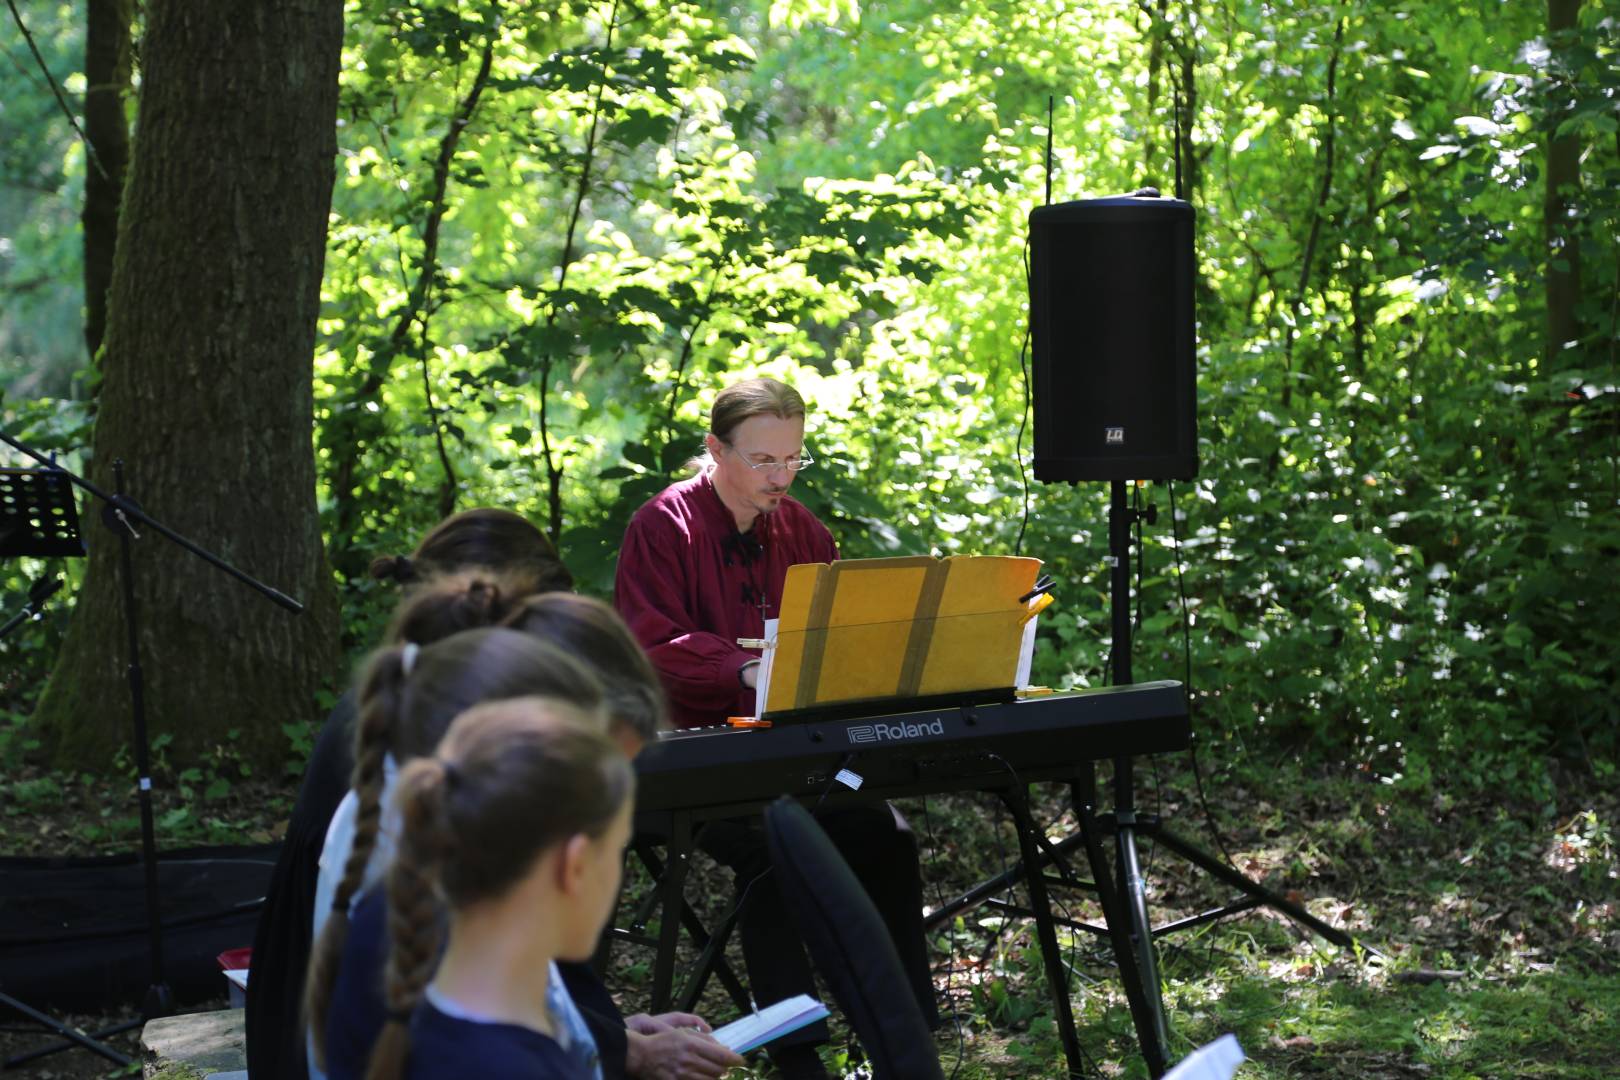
(208, 1042)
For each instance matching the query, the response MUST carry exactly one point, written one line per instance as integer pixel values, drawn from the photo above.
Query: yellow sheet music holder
(899, 628)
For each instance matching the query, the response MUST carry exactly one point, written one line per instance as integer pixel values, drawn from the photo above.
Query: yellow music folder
(898, 628)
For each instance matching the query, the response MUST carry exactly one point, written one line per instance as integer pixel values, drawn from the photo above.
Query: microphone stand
(124, 507)
(120, 513)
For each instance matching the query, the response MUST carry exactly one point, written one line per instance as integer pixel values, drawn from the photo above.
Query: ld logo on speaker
(1114, 436)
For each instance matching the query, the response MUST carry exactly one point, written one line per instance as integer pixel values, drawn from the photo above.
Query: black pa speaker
(1111, 324)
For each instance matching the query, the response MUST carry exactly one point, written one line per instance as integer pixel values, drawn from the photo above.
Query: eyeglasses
(792, 464)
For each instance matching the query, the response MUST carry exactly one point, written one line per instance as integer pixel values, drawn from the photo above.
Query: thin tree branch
(583, 187)
(441, 184)
(412, 314)
(554, 469)
(89, 149)
(686, 349)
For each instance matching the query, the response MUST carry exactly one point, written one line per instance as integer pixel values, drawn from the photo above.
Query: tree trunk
(207, 391)
(1561, 231)
(106, 74)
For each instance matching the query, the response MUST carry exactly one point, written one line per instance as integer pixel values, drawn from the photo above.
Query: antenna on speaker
(1175, 110)
(1049, 149)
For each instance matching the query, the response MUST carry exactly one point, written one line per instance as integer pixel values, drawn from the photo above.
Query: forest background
(553, 232)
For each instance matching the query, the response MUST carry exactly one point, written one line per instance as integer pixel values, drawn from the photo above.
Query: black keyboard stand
(1057, 977)
(710, 961)
(675, 829)
(1138, 973)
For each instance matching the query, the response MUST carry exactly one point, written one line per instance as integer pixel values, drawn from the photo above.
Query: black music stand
(53, 504)
(37, 516)
(38, 520)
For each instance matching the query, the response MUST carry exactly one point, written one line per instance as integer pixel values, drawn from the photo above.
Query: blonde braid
(379, 709)
(415, 909)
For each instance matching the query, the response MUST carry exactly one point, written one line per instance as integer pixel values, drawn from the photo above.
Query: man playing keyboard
(703, 564)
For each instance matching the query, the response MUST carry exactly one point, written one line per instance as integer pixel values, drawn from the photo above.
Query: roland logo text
(874, 733)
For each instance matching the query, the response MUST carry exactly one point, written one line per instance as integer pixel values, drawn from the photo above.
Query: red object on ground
(235, 959)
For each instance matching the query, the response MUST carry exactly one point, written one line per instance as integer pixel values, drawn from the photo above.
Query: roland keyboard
(912, 753)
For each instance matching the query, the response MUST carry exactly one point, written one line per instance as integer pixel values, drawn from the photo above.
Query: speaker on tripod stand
(1113, 332)
(1113, 336)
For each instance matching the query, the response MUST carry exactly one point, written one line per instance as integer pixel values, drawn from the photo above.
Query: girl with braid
(593, 632)
(496, 546)
(519, 822)
(433, 612)
(671, 1046)
(408, 697)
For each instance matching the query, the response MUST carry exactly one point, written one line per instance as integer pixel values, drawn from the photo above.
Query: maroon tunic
(689, 584)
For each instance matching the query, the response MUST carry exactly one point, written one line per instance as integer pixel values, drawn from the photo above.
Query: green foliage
(555, 234)
(41, 190)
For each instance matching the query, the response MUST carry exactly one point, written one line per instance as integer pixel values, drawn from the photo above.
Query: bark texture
(107, 78)
(207, 391)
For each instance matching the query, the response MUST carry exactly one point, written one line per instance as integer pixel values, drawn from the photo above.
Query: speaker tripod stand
(1124, 892)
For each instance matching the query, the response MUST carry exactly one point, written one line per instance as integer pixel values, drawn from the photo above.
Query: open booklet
(899, 628)
(757, 1029)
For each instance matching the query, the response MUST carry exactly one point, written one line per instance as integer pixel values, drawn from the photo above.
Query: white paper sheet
(757, 1029)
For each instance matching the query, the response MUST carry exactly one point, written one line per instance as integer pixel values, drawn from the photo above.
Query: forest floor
(1490, 922)
(1490, 928)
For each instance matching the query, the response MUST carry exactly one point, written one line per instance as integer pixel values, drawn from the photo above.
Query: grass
(1494, 917)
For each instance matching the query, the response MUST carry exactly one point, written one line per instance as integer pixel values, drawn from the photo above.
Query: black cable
(1141, 559)
(185, 922)
(843, 763)
(1141, 565)
(1011, 896)
(950, 959)
(1108, 661)
(1023, 420)
(1023, 353)
(1192, 698)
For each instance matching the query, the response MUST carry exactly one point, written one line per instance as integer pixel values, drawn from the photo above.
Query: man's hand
(748, 675)
(674, 1046)
(670, 1021)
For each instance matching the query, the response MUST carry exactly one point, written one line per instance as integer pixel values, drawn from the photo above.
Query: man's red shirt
(689, 584)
